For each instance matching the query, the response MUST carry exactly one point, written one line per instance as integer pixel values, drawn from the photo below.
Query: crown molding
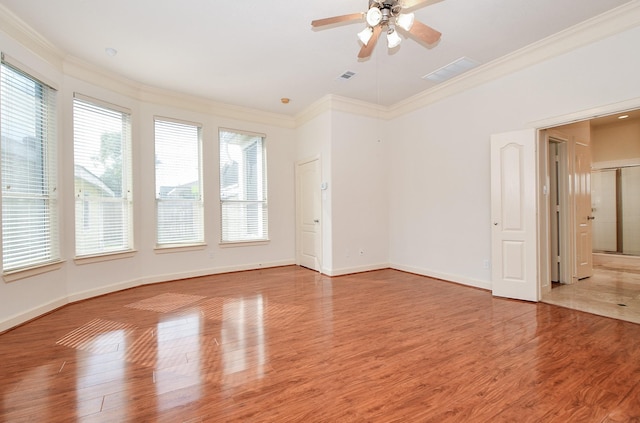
(599, 27)
(331, 102)
(17, 29)
(87, 72)
(71, 66)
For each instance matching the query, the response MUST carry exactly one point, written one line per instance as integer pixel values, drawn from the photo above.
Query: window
(102, 152)
(243, 186)
(179, 207)
(29, 197)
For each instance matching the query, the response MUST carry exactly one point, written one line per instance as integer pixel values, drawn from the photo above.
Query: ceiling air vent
(347, 75)
(455, 68)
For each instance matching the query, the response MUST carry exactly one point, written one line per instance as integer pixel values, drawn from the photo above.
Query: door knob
(590, 217)
(316, 220)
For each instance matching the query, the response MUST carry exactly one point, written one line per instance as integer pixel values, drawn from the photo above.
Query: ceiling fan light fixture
(405, 20)
(393, 39)
(365, 35)
(374, 16)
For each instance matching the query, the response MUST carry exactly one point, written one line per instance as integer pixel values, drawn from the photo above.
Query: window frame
(186, 243)
(45, 119)
(125, 199)
(262, 191)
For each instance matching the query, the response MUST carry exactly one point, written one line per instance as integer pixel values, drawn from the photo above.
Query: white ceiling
(252, 53)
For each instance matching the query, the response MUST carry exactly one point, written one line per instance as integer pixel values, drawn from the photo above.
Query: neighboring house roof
(81, 172)
(190, 190)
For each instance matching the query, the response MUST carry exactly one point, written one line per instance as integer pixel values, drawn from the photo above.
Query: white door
(308, 210)
(513, 212)
(582, 190)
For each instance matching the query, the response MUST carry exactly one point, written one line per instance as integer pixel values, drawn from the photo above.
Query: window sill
(28, 272)
(104, 257)
(230, 244)
(176, 248)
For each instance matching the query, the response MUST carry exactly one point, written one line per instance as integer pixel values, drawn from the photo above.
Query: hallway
(610, 292)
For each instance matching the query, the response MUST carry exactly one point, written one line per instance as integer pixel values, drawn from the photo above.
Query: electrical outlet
(486, 264)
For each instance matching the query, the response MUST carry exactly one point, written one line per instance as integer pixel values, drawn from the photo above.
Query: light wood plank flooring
(611, 292)
(289, 345)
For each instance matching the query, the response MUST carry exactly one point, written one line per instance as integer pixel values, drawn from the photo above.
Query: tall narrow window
(102, 163)
(29, 198)
(243, 186)
(179, 208)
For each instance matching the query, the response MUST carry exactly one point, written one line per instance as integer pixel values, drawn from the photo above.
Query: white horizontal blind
(29, 198)
(179, 206)
(243, 186)
(102, 165)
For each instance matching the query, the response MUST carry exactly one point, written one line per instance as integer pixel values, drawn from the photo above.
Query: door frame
(545, 139)
(319, 232)
(548, 125)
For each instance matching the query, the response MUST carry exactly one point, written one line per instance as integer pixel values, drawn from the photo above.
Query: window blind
(243, 186)
(102, 152)
(179, 206)
(29, 197)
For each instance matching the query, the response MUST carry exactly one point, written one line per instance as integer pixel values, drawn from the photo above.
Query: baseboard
(357, 269)
(462, 280)
(616, 260)
(36, 312)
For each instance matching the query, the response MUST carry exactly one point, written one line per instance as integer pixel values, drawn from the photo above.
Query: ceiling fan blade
(407, 4)
(366, 51)
(424, 33)
(337, 19)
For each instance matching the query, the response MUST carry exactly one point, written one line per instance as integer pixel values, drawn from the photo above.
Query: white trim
(177, 248)
(618, 260)
(613, 164)
(17, 29)
(36, 312)
(596, 112)
(8, 59)
(177, 121)
(242, 132)
(599, 27)
(14, 275)
(79, 260)
(331, 102)
(447, 277)
(101, 103)
(250, 243)
(356, 269)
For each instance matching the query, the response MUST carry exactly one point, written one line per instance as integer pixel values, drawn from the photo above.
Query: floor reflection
(178, 361)
(609, 293)
(242, 339)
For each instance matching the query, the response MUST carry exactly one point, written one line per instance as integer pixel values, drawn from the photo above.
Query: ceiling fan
(386, 15)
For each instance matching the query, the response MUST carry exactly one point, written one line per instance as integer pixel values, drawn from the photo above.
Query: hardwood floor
(610, 292)
(290, 345)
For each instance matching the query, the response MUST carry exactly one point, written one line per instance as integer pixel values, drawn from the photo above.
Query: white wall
(313, 140)
(355, 165)
(440, 186)
(412, 192)
(360, 175)
(29, 297)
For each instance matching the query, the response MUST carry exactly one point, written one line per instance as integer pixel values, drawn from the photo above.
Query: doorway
(308, 212)
(607, 288)
(558, 211)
